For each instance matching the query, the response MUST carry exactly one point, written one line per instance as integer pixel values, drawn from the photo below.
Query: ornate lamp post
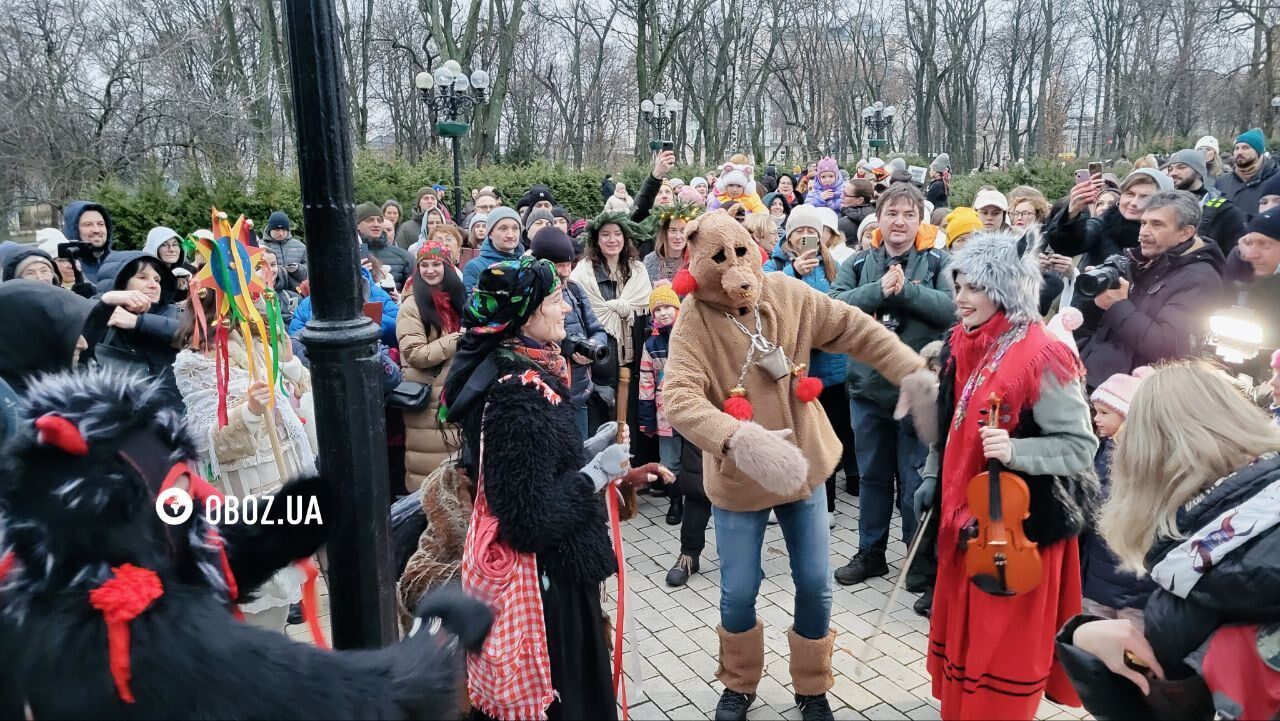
(451, 95)
(879, 121)
(659, 113)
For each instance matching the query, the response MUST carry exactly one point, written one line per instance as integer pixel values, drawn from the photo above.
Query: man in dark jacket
(502, 243)
(1242, 185)
(1220, 220)
(607, 187)
(291, 254)
(395, 259)
(1160, 309)
(89, 222)
(580, 322)
(855, 207)
(899, 281)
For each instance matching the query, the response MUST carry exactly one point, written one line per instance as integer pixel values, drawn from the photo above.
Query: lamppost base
(452, 129)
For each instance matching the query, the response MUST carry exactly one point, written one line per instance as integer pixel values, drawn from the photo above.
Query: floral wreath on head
(631, 230)
(678, 210)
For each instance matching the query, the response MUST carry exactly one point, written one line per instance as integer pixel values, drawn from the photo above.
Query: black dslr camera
(887, 317)
(1104, 277)
(587, 348)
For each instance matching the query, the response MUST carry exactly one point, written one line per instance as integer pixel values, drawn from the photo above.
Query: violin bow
(897, 587)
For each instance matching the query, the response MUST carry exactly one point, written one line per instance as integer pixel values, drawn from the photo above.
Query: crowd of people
(1112, 347)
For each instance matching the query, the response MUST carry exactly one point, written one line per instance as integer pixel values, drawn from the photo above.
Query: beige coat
(425, 357)
(707, 352)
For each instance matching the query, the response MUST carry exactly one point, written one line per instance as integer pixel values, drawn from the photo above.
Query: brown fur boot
(811, 663)
(742, 659)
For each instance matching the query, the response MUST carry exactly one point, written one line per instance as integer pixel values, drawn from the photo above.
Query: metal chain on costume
(758, 342)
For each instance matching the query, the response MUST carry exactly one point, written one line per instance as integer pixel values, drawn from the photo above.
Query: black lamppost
(660, 112)
(346, 372)
(451, 94)
(879, 121)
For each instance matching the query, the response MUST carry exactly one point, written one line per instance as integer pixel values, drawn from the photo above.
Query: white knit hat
(1207, 141)
(734, 177)
(805, 215)
(986, 198)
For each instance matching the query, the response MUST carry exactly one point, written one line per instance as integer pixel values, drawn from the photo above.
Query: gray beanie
(538, 214)
(1162, 181)
(1193, 159)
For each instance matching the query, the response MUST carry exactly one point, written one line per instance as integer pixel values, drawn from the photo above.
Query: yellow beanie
(960, 222)
(663, 295)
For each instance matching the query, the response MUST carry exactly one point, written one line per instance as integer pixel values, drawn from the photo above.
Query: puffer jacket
(488, 256)
(851, 217)
(290, 250)
(148, 348)
(1104, 581)
(581, 320)
(425, 357)
(91, 263)
(830, 368)
(1245, 194)
(372, 294)
(689, 480)
(1169, 300)
(1224, 569)
(814, 197)
(653, 415)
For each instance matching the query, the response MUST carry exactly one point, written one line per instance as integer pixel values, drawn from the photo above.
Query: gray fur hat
(1008, 267)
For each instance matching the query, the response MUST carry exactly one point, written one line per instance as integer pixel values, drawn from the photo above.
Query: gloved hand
(601, 440)
(608, 464)
(925, 495)
(769, 458)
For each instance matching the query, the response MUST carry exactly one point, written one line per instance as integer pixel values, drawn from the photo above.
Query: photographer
(899, 281)
(1153, 299)
(585, 340)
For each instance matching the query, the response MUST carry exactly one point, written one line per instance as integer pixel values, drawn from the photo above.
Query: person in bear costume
(733, 388)
(108, 612)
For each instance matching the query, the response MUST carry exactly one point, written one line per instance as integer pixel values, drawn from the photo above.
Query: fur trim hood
(1011, 276)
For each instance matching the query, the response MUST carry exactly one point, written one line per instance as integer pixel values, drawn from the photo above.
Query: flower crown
(678, 210)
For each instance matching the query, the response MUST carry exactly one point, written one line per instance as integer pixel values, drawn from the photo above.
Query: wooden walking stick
(630, 500)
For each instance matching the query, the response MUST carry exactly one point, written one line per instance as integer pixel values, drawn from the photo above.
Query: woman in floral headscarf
(538, 538)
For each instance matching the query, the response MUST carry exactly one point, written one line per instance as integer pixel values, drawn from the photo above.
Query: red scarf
(549, 359)
(1003, 358)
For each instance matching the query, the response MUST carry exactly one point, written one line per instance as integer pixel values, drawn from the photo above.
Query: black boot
(733, 706)
(679, 574)
(861, 567)
(295, 614)
(924, 604)
(675, 512)
(814, 708)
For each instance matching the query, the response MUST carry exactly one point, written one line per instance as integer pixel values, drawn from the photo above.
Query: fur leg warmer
(769, 458)
(742, 659)
(811, 663)
(918, 395)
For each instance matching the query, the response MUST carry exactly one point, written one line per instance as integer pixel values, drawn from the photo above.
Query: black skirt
(581, 669)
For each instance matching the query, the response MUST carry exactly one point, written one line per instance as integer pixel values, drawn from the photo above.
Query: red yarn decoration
(62, 434)
(122, 599)
(739, 407)
(808, 389)
(684, 283)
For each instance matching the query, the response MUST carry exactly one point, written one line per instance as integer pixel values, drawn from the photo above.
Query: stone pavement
(676, 630)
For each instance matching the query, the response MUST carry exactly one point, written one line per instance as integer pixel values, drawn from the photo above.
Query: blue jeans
(581, 408)
(740, 537)
(669, 451)
(885, 448)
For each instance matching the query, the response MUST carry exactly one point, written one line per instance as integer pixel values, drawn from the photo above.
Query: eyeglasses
(1025, 214)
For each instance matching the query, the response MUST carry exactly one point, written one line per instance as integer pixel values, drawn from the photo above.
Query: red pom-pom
(56, 431)
(684, 283)
(739, 407)
(808, 389)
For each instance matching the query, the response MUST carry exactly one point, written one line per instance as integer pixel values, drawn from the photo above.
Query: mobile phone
(73, 249)
(668, 145)
(1095, 168)
(808, 243)
(364, 251)
(1082, 175)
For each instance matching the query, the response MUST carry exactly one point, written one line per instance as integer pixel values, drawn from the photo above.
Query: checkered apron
(510, 678)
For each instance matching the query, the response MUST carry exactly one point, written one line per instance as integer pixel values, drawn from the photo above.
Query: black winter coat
(1169, 301)
(532, 479)
(937, 193)
(1245, 195)
(689, 481)
(1241, 587)
(397, 260)
(1104, 581)
(580, 320)
(149, 347)
(850, 218)
(1220, 220)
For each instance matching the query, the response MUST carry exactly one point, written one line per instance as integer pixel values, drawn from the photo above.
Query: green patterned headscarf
(508, 293)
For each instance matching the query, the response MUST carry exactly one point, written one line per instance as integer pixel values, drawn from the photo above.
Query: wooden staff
(630, 500)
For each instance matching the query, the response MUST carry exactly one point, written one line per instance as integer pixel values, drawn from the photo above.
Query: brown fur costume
(446, 504)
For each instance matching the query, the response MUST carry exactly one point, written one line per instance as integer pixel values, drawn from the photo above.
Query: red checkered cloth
(510, 678)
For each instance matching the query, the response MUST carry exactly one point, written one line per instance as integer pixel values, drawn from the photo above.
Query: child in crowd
(826, 192)
(664, 305)
(1110, 592)
(735, 183)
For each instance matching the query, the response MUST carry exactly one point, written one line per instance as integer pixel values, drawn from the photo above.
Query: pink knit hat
(1117, 391)
(828, 164)
(1275, 360)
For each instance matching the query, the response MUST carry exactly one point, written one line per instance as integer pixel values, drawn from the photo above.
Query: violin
(999, 558)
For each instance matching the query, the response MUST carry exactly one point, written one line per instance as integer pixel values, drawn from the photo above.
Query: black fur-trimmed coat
(532, 471)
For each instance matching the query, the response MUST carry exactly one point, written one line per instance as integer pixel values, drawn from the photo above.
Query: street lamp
(450, 94)
(660, 112)
(878, 118)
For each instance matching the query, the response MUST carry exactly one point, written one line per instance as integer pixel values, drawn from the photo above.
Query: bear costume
(108, 612)
(766, 442)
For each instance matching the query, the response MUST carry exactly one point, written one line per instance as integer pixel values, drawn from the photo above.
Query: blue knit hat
(1254, 139)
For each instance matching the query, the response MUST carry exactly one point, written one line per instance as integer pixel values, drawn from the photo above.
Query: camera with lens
(1104, 277)
(587, 348)
(887, 317)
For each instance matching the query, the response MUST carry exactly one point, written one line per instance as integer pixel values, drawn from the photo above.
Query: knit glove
(607, 465)
(925, 495)
(601, 440)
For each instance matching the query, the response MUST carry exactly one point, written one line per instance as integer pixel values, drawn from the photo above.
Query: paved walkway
(676, 630)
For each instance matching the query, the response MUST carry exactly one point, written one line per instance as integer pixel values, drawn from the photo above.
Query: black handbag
(410, 396)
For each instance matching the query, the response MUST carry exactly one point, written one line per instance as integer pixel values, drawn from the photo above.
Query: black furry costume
(73, 512)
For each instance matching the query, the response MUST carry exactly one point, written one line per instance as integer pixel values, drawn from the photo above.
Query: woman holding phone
(803, 255)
